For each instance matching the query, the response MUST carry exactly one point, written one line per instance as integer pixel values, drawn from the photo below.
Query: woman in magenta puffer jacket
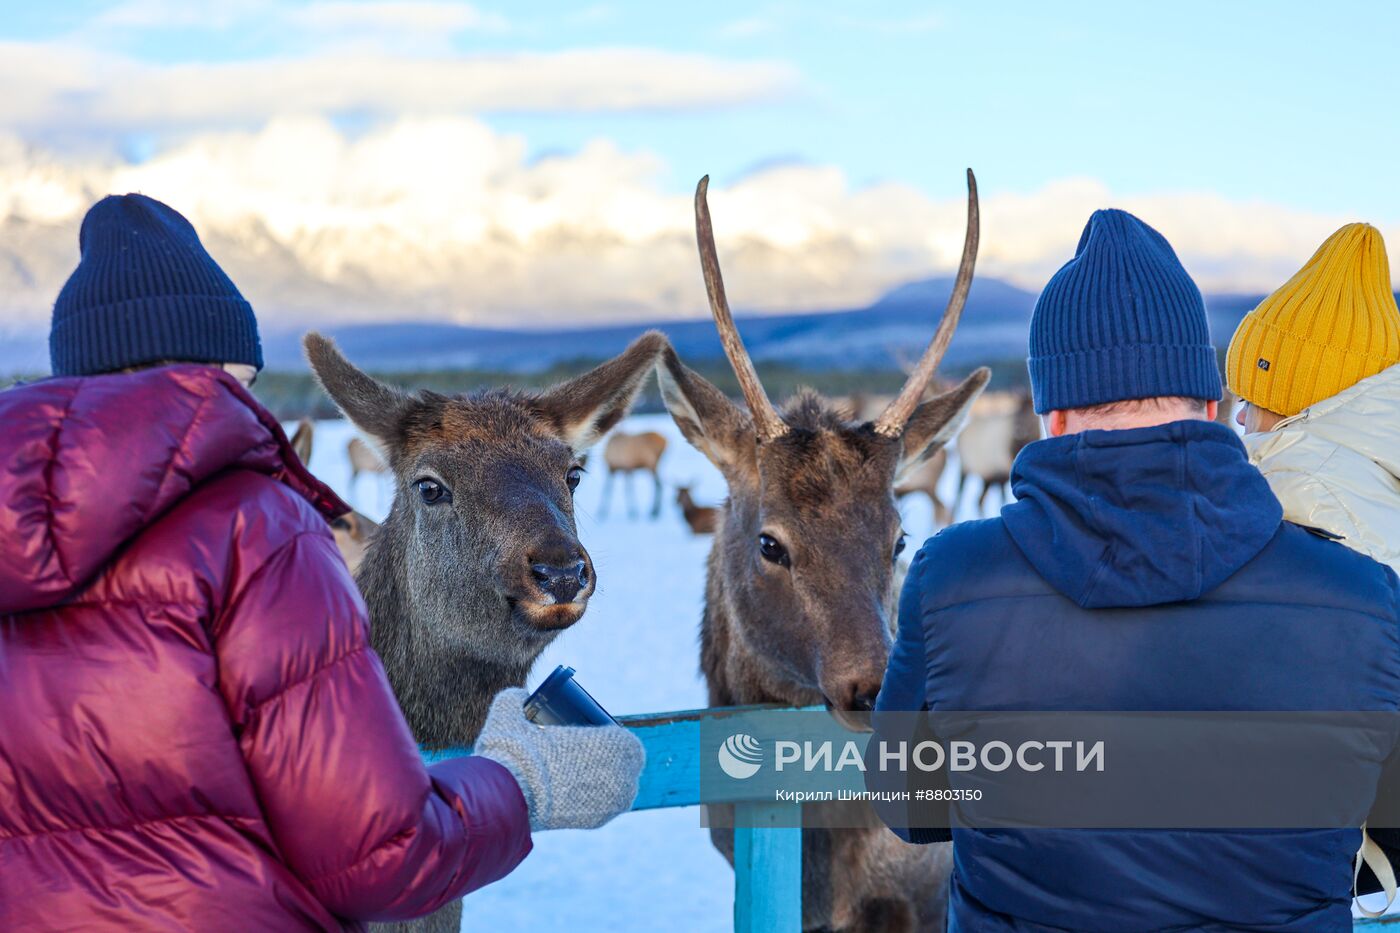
(175, 753)
(194, 731)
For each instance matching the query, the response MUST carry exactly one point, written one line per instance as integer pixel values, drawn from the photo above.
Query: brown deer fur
(701, 518)
(363, 459)
(924, 478)
(352, 530)
(1000, 424)
(627, 454)
(799, 594)
(458, 608)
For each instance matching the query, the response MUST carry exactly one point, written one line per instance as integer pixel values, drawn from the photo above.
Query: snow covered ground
(636, 651)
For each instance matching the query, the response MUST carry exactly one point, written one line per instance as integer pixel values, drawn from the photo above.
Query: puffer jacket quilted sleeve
(194, 731)
(372, 832)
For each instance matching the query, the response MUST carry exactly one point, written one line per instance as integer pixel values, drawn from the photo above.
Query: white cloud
(445, 218)
(412, 27)
(66, 86)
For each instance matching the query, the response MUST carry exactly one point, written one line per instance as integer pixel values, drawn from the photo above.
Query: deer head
(481, 531)
(806, 554)
(352, 530)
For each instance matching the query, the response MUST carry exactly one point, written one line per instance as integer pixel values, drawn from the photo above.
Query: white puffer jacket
(1336, 465)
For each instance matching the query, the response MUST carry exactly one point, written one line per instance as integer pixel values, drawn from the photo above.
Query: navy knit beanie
(1121, 320)
(146, 291)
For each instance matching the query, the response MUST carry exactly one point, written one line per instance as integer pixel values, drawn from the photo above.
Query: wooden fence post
(767, 867)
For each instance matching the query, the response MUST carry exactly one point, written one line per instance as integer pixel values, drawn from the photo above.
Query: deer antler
(767, 424)
(892, 420)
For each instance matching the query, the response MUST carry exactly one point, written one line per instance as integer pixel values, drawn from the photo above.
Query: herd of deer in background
(801, 579)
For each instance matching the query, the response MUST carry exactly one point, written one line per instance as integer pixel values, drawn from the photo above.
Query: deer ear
(375, 408)
(588, 406)
(936, 422)
(712, 424)
(301, 440)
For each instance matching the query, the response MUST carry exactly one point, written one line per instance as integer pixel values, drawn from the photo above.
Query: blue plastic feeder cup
(560, 701)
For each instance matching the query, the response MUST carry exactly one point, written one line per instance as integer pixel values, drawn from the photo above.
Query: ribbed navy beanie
(1121, 320)
(145, 291)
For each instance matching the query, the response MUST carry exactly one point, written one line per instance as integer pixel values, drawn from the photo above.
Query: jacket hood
(1364, 418)
(1140, 517)
(1336, 465)
(90, 462)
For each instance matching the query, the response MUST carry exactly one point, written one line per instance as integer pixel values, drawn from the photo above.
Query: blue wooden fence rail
(767, 845)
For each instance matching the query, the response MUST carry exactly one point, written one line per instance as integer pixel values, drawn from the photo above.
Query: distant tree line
(295, 394)
(291, 395)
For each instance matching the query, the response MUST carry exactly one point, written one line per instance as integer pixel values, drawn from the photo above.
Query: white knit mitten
(573, 777)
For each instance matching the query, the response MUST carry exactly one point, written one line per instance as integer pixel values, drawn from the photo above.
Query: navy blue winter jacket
(1146, 569)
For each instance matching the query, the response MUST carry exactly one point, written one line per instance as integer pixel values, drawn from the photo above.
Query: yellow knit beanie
(1330, 326)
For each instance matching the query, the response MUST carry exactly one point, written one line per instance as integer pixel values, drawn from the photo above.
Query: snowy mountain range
(893, 329)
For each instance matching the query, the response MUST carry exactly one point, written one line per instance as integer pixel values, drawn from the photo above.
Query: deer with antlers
(799, 594)
(478, 566)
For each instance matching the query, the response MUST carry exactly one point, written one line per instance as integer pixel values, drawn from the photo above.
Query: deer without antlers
(800, 586)
(1000, 424)
(924, 478)
(478, 566)
(702, 519)
(629, 453)
(363, 459)
(352, 530)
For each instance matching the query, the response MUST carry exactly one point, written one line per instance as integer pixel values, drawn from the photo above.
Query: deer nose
(563, 583)
(865, 702)
(857, 695)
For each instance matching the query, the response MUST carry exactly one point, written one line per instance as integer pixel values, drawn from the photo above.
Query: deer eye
(574, 476)
(900, 543)
(433, 492)
(773, 551)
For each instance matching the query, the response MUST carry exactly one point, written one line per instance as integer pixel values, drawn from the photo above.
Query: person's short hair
(1110, 411)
